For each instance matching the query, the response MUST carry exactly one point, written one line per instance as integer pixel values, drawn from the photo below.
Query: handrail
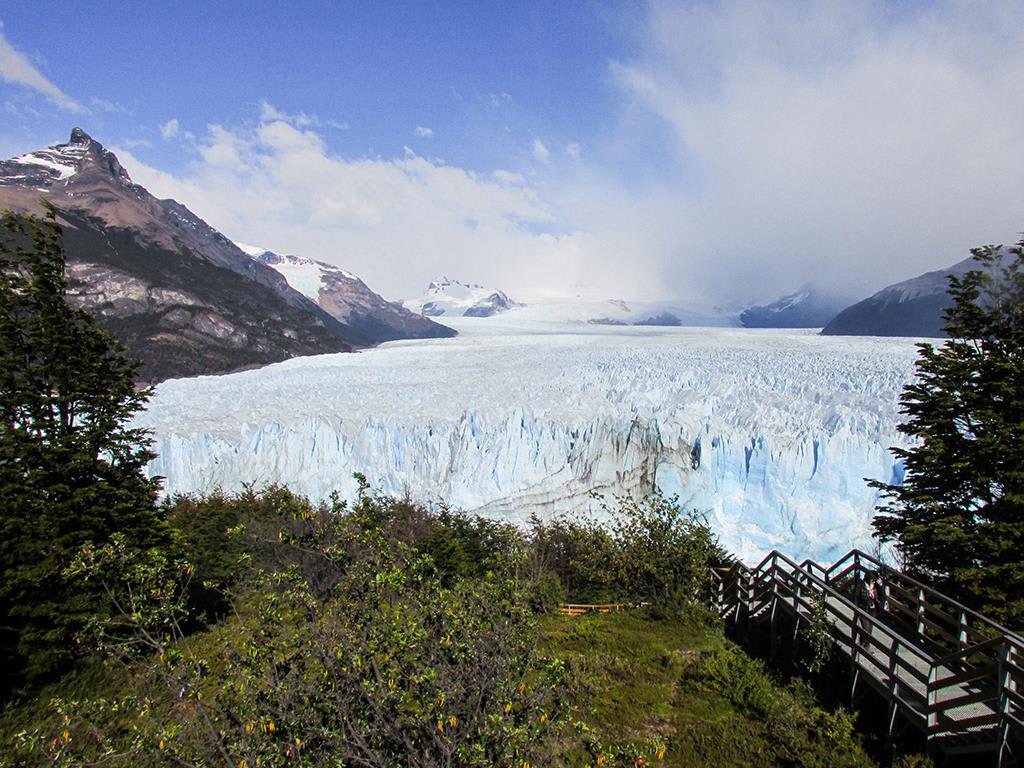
(1012, 636)
(995, 642)
(859, 613)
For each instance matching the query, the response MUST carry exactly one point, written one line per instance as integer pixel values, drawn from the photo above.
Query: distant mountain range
(808, 307)
(446, 297)
(369, 318)
(910, 308)
(179, 294)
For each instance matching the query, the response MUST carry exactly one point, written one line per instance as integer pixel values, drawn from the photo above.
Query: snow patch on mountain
(451, 298)
(251, 250)
(808, 307)
(307, 276)
(59, 162)
(52, 161)
(768, 433)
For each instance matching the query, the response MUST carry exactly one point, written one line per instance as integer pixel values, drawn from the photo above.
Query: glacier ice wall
(769, 433)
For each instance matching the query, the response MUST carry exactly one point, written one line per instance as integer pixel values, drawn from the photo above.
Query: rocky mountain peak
(81, 161)
(78, 136)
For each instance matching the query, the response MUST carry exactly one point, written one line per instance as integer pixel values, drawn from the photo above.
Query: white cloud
(424, 133)
(844, 141)
(397, 222)
(17, 69)
(573, 150)
(270, 113)
(225, 149)
(508, 177)
(170, 129)
(540, 151)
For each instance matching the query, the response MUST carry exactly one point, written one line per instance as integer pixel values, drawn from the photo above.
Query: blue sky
(721, 151)
(485, 78)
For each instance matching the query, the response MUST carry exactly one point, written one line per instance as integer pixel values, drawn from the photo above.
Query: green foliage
(461, 545)
(70, 467)
(958, 517)
(665, 553)
(817, 635)
(650, 551)
(227, 536)
(582, 555)
(381, 633)
(349, 651)
(797, 731)
(677, 694)
(545, 593)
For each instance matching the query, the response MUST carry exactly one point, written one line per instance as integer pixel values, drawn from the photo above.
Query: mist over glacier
(768, 433)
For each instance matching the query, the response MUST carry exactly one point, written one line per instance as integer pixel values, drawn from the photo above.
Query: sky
(716, 152)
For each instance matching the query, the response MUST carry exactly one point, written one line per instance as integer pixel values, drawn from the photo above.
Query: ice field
(769, 433)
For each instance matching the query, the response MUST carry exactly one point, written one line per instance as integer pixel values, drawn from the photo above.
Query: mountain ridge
(344, 296)
(807, 307)
(911, 307)
(181, 296)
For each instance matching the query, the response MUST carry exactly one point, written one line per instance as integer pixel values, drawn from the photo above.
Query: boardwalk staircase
(941, 668)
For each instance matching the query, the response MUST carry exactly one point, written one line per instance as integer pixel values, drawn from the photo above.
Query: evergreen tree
(958, 517)
(70, 467)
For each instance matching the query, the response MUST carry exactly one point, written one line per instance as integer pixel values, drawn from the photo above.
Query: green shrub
(351, 650)
(650, 551)
(800, 733)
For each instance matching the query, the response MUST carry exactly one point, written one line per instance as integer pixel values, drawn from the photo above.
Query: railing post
(738, 582)
(855, 630)
(962, 633)
(894, 683)
(798, 593)
(774, 631)
(1004, 682)
(750, 592)
(933, 698)
(920, 612)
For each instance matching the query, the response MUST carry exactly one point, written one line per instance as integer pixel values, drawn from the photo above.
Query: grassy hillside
(678, 693)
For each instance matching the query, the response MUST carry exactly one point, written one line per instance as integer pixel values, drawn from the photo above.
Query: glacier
(768, 433)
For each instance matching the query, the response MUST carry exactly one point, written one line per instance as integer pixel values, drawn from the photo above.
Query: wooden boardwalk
(949, 672)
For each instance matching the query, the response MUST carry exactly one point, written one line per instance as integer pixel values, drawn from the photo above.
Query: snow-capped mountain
(181, 296)
(369, 317)
(910, 308)
(591, 307)
(768, 434)
(808, 307)
(451, 298)
(44, 167)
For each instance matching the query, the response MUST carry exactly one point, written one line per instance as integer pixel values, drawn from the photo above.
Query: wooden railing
(578, 609)
(951, 672)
